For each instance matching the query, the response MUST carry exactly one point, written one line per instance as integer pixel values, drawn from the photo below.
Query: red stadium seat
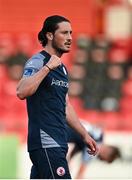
(126, 120)
(7, 42)
(125, 103)
(92, 116)
(126, 88)
(111, 120)
(121, 43)
(118, 55)
(12, 111)
(78, 105)
(25, 43)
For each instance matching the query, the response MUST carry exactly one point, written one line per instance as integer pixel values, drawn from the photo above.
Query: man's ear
(49, 36)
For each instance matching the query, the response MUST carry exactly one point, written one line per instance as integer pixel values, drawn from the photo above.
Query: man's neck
(52, 51)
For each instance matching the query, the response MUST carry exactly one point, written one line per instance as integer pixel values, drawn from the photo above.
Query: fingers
(93, 148)
(56, 59)
(54, 62)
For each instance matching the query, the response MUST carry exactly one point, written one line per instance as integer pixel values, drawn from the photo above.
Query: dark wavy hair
(50, 25)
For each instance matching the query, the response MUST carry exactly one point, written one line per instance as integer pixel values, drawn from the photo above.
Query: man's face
(62, 38)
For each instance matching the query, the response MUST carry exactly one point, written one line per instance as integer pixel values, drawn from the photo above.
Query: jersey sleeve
(33, 65)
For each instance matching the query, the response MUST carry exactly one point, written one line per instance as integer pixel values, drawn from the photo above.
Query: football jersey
(46, 107)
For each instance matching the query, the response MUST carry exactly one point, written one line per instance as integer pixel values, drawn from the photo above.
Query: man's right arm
(27, 86)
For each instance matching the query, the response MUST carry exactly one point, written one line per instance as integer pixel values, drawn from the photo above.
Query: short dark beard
(58, 50)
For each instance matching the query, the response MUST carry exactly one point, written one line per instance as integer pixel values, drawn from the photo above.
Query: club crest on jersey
(64, 71)
(60, 171)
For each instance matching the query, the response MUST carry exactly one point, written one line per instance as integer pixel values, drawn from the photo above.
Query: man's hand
(54, 62)
(91, 144)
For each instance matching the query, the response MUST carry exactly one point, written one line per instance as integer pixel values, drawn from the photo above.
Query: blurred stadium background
(100, 71)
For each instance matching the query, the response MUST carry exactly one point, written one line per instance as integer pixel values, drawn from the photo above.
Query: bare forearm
(74, 122)
(28, 86)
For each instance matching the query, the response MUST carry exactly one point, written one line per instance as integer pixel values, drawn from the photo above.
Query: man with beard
(45, 85)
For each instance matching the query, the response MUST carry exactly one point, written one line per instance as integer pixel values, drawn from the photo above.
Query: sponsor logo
(60, 171)
(59, 83)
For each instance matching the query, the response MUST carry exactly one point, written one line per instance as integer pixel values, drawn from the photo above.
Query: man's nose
(69, 36)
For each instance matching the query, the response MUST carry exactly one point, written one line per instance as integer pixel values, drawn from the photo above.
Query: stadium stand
(90, 89)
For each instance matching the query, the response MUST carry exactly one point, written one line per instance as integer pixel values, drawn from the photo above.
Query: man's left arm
(74, 123)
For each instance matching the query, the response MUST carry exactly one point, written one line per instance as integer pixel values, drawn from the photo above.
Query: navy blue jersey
(46, 107)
